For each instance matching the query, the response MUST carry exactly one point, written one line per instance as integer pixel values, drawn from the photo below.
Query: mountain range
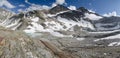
(59, 30)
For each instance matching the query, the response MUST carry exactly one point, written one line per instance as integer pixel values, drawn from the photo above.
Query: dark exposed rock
(107, 23)
(82, 9)
(57, 9)
(72, 15)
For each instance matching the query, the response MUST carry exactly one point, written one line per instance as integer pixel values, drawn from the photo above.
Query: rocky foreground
(19, 45)
(16, 44)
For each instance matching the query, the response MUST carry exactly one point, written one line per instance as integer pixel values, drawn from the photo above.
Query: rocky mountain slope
(60, 33)
(19, 45)
(5, 14)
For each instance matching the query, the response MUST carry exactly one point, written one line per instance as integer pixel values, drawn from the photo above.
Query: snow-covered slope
(62, 20)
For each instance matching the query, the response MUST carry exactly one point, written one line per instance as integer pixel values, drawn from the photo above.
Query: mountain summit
(82, 9)
(57, 9)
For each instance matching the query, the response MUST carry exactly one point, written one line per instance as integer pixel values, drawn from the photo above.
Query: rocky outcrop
(58, 9)
(16, 44)
(4, 14)
(82, 9)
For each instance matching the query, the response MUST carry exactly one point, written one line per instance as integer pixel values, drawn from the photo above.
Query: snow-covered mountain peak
(63, 19)
(82, 9)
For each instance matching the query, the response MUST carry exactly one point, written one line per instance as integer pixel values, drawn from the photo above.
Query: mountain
(81, 17)
(5, 14)
(59, 33)
(82, 9)
(57, 9)
(107, 24)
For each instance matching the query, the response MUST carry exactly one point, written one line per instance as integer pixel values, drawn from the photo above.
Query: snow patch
(110, 37)
(92, 16)
(57, 34)
(91, 11)
(36, 19)
(54, 25)
(114, 44)
(80, 39)
(70, 23)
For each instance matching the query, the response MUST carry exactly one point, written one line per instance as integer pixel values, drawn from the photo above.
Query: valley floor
(16, 44)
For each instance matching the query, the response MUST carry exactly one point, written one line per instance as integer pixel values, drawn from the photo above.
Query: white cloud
(114, 13)
(60, 1)
(27, 2)
(6, 4)
(37, 7)
(20, 10)
(72, 7)
(21, 5)
(54, 4)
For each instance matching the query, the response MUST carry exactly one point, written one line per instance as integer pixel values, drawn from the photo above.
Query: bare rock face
(57, 9)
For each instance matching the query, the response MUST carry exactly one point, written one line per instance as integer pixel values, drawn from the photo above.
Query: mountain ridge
(92, 19)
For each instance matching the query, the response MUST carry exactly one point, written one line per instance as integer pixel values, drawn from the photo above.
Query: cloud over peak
(72, 7)
(114, 13)
(60, 1)
(6, 4)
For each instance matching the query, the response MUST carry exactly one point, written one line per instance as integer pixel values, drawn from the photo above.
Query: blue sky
(99, 6)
